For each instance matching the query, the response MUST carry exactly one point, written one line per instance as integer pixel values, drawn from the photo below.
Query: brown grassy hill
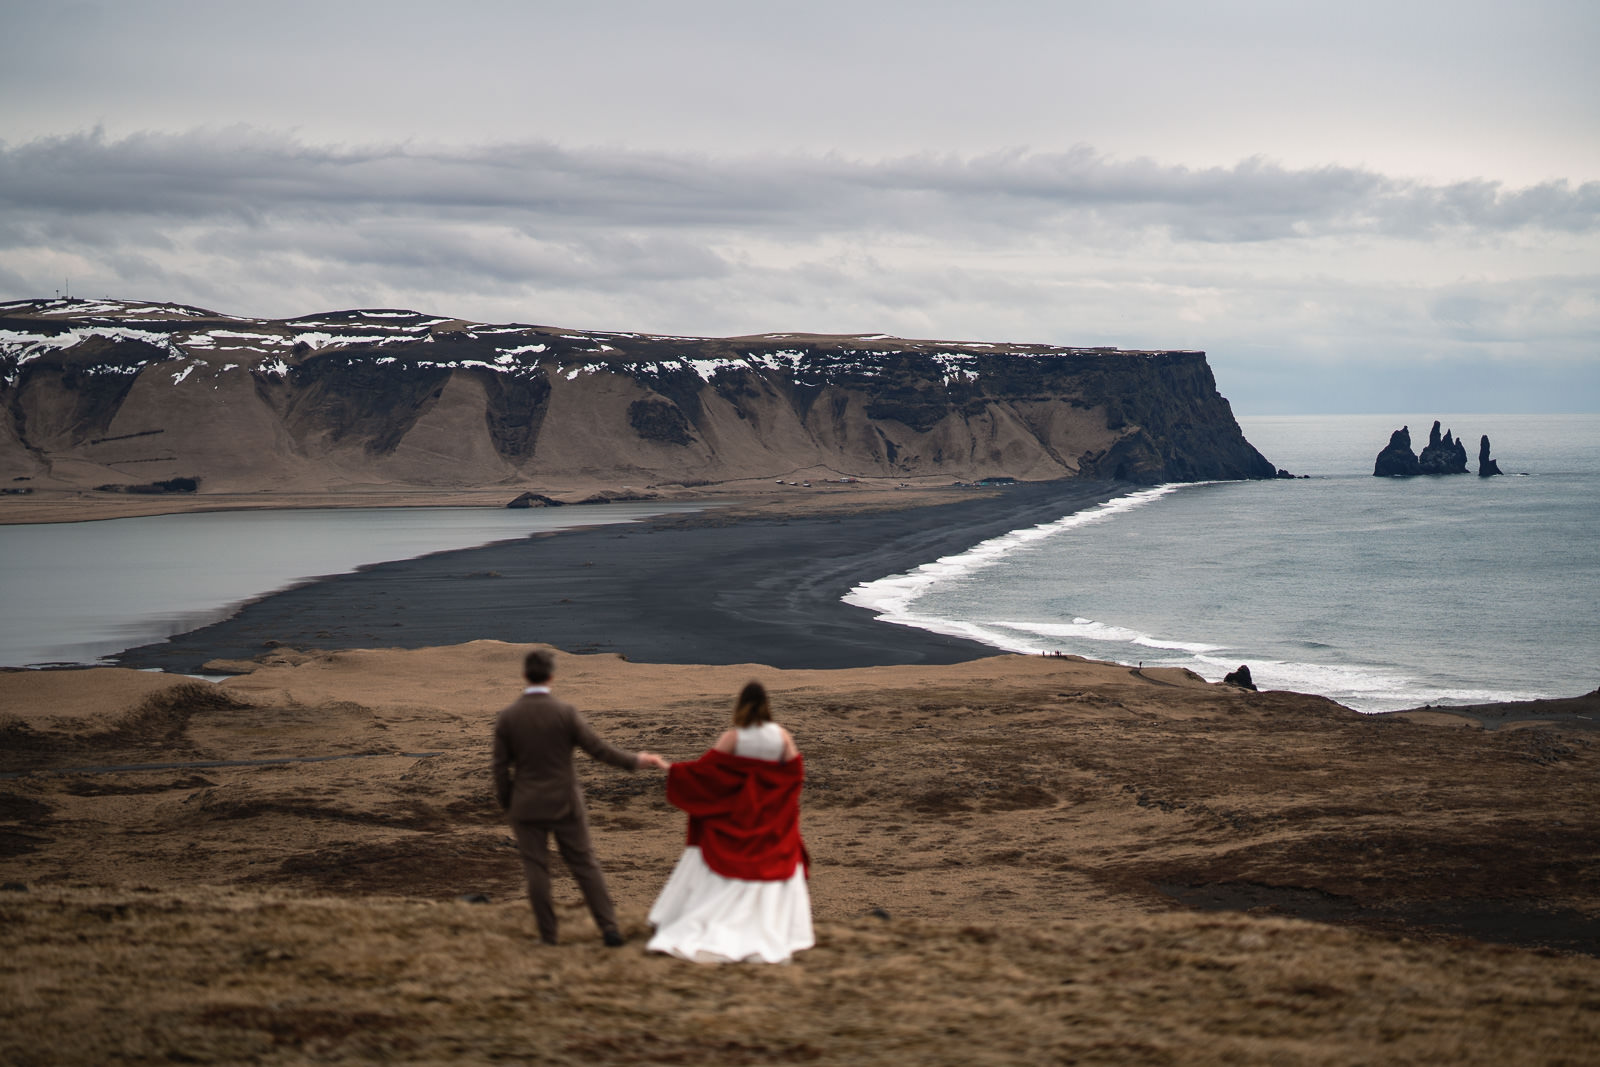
(1016, 860)
(137, 396)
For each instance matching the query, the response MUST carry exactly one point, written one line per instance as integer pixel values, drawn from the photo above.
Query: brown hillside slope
(1048, 841)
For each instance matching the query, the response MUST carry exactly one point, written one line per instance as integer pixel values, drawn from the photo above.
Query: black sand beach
(705, 588)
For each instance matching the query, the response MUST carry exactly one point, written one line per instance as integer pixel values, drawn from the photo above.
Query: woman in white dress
(739, 891)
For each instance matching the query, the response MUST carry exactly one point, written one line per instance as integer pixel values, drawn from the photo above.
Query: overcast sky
(1352, 206)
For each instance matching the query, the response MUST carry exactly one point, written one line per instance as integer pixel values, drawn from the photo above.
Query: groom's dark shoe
(613, 939)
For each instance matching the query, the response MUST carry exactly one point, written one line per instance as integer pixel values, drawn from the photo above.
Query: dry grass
(1033, 827)
(271, 977)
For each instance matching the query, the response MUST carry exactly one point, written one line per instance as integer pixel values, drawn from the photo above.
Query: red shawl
(743, 813)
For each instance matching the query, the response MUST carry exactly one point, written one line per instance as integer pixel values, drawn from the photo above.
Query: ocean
(1380, 593)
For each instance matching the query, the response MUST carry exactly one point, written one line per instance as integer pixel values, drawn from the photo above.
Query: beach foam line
(892, 597)
(1363, 687)
(1089, 630)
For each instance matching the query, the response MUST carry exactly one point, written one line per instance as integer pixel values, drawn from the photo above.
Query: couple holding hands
(739, 890)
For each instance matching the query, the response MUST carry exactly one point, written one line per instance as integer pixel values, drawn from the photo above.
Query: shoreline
(638, 591)
(643, 591)
(50, 507)
(639, 604)
(824, 492)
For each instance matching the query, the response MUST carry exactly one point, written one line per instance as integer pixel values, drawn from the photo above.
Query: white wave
(972, 631)
(1364, 687)
(893, 596)
(1089, 630)
(1342, 682)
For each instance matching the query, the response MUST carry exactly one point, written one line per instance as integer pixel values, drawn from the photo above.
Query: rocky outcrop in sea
(1443, 454)
(1487, 468)
(1397, 460)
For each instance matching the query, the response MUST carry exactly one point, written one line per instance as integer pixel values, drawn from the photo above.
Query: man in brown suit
(538, 791)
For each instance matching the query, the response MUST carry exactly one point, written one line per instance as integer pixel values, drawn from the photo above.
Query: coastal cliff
(146, 397)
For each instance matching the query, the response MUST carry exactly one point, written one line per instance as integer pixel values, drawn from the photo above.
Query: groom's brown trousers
(572, 841)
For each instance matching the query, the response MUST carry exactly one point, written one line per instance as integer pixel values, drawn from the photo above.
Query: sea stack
(1397, 460)
(1487, 468)
(1443, 455)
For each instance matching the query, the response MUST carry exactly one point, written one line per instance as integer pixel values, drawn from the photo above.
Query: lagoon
(77, 593)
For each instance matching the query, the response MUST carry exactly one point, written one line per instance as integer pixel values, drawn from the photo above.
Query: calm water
(1380, 593)
(78, 592)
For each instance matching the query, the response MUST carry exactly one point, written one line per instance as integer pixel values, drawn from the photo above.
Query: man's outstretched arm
(605, 752)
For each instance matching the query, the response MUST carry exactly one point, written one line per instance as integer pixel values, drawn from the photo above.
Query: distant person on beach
(537, 789)
(739, 890)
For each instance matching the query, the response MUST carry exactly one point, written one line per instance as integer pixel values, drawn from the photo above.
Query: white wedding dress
(705, 917)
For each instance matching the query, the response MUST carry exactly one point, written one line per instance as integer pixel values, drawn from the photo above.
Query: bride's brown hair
(752, 708)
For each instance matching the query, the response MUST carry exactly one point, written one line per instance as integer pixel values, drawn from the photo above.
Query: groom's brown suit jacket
(533, 775)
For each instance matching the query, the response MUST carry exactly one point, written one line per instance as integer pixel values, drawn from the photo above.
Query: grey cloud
(1555, 312)
(489, 253)
(11, 281)
(1266, 267)
(253, 178)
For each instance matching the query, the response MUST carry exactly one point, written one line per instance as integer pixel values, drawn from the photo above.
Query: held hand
(650, 759)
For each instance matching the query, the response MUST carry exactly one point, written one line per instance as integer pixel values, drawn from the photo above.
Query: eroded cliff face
(112, 392)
